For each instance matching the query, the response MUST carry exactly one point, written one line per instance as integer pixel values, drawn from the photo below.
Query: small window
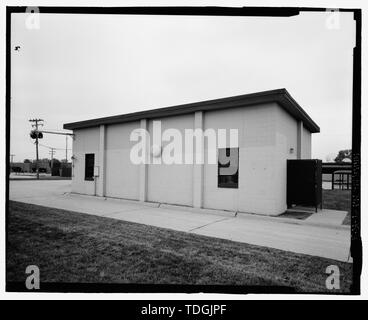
(89, 166)
(228, 167)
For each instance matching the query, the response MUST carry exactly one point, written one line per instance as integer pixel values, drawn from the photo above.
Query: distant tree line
(44, 160)
(343, 156)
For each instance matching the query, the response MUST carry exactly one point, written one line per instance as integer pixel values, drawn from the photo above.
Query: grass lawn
(75, 247)
(338, 200)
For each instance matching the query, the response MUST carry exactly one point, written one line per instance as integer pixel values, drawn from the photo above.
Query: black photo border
(356, 245)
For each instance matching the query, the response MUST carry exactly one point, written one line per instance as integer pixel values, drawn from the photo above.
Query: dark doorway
(304, 183)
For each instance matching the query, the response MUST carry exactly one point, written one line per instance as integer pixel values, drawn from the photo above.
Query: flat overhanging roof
(280, 96)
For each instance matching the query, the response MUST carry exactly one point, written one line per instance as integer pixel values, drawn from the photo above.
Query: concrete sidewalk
(328, 217)
(279, 233)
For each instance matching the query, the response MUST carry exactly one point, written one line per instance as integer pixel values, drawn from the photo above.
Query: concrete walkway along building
(249, 175)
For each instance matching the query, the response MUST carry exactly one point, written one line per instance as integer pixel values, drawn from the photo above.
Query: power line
(66, 134)
(43, 145)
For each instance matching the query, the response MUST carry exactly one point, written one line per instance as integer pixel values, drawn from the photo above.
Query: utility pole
(52, 152)
(66, 139)
(35, 124)
(11, 162)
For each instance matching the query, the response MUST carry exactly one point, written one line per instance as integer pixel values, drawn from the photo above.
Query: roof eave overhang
(280, 96)
(293, 108)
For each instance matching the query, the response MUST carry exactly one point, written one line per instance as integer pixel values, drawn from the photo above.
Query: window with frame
(89, 166)
(228, 168)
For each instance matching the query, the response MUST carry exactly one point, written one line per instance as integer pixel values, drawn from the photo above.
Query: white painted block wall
(171, 183)
(257, 150)
(307, 144)
(286, 139)
(85, 141)
(121, 175)
(266, 135)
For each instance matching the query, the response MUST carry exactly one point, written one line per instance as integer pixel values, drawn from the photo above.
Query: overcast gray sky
(78, 67)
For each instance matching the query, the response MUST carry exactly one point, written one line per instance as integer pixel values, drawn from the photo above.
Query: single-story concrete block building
(249, 174)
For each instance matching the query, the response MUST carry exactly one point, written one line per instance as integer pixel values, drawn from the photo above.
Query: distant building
(337, 175)
(21, 167)
(44, 166)
(54, 167)
(62, 169)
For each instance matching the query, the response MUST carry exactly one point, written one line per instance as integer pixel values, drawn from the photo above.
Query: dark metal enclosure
(304, 183)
